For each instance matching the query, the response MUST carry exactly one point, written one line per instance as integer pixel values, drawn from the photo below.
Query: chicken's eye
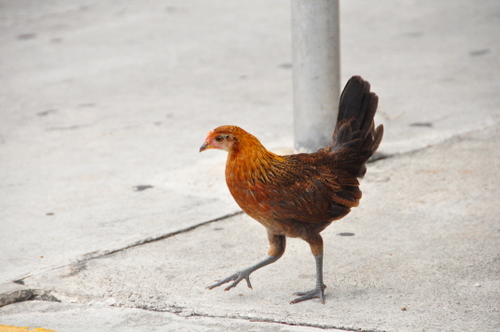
(219, 138)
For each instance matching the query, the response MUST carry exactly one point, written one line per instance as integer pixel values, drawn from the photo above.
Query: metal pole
(316, 71)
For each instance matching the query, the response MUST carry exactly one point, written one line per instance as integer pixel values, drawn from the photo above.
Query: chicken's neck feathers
(251, 161)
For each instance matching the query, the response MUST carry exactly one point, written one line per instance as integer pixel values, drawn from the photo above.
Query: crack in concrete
(99, 254)
(103, 253)
(317, 326)
(16, 291)
(181, 311)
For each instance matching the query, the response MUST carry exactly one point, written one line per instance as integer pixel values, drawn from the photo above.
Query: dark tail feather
(355, 138)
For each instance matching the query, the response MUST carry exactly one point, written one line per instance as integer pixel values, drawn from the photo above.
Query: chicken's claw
(245, 274)
(237, 277)
(318, 292)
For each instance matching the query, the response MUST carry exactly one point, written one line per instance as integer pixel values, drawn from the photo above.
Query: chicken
(299, 195)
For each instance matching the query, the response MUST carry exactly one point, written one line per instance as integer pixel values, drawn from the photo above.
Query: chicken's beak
(205, 146)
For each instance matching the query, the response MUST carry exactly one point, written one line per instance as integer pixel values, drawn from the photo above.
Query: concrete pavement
(107, 207)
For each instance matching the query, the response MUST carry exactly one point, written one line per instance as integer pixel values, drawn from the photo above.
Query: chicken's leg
(316, 244)
(277, 245)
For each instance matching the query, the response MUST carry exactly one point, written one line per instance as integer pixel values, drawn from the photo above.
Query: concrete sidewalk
(107, 207)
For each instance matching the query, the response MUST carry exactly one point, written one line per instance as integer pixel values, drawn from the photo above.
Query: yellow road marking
(8, 328)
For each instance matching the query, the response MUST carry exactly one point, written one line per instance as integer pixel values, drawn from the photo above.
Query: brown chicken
(300, 195)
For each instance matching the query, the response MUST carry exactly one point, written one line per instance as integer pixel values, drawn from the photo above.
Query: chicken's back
(298, 194)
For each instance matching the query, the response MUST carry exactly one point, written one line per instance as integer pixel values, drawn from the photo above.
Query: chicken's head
(222, 138)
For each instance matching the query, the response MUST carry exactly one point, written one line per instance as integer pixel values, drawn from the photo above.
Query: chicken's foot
(316, 293)
(319, 290)
(244, 274)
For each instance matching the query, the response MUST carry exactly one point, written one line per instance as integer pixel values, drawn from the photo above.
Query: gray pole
(316, 71)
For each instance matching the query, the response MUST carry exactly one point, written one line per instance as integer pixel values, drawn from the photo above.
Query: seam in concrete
(179, 311)
(317, 326)
(15, 291)
(12, 292)
(99, 254)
